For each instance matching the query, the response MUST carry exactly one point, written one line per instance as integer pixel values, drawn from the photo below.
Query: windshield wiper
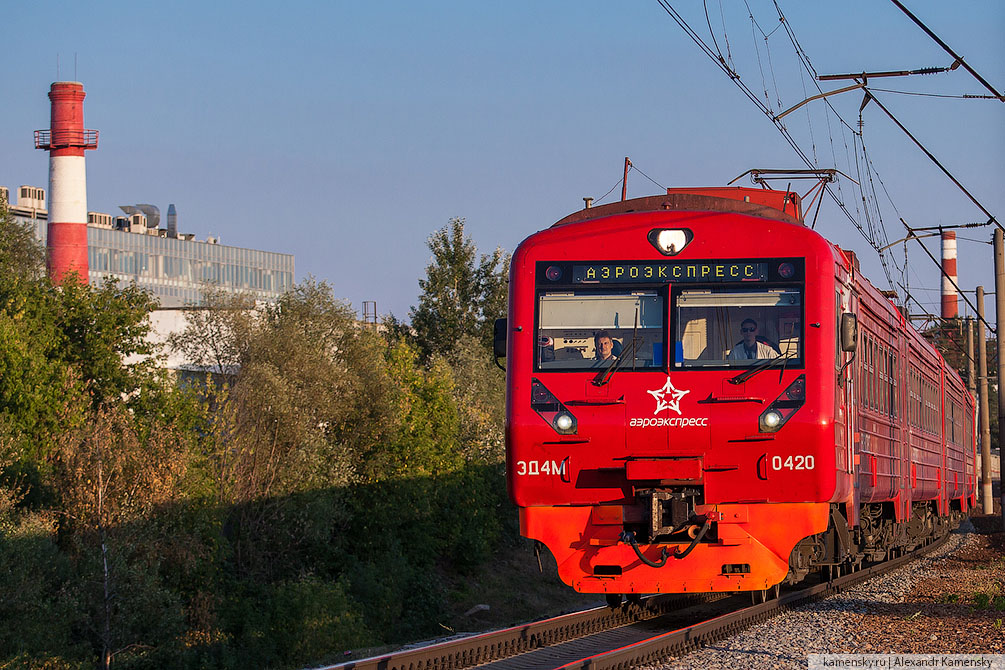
(604, 376)
(760, 367)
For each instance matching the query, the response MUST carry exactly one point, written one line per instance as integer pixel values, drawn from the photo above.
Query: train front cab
(682, 467)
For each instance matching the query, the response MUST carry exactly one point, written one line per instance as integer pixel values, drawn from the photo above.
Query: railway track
(634, 634)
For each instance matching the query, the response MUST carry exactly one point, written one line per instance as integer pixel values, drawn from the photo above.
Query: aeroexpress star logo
(668, 397)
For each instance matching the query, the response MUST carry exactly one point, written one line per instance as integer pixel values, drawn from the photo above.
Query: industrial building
(174, 267)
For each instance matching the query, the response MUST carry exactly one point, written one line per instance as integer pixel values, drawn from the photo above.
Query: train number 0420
(540, 468)
(800, 462)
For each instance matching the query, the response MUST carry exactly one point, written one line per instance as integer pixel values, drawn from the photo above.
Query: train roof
(783, 206)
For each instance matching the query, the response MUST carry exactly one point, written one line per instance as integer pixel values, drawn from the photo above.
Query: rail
(540, 644)
(484, 647)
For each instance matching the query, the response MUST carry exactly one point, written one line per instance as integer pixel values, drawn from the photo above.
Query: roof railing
(63, 139)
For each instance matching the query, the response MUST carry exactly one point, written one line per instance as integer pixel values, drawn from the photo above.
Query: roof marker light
(670, 241)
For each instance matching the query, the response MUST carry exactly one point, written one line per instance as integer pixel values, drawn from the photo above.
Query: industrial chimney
(172, 227)
(66, 140)
(950, 298)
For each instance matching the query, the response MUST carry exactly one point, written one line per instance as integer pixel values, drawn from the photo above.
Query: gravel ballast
(944, 603)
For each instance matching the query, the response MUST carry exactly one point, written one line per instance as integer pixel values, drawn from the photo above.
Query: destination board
(669, 271)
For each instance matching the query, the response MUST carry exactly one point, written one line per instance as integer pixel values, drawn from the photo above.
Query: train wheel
(613, 600)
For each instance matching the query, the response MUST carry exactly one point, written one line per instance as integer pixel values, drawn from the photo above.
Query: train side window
(873, 377)
(866, 377)
(573, 328)
(893, 384)
(869, 373)
(884, 399)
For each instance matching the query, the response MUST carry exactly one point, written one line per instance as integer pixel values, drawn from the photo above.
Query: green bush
(38, 601)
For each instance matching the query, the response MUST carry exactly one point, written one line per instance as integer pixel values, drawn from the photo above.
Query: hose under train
(628, 537)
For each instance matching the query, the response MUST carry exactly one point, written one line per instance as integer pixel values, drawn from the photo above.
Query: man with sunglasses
(750, 347)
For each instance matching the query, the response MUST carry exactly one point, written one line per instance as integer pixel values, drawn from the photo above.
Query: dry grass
(959, 610)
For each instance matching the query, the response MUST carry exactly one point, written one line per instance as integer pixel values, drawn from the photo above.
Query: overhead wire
(600, 199)
(711, 32)
(964, 96)
(874, 229)
(725, 35)
(807, 64)
(631, 167)
(634, 167)
(952, 281)
(766, 109)
(973, 199)
(958, 58)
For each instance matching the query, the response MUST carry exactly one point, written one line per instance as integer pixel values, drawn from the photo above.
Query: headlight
(772, 419)
(551, 409)
(564, 422)
(670, 241)
(785, 405)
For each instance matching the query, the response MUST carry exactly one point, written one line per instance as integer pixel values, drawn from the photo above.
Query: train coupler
(628, 537)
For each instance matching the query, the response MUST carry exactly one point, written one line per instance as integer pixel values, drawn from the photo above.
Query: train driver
(750, 346)
(604, 347)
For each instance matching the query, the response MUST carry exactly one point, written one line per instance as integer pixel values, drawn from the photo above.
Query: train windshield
(578, 331)
(731, 328)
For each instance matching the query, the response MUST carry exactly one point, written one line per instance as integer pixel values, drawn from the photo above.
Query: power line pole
(999, 246)
(987, 497)
(971, 381)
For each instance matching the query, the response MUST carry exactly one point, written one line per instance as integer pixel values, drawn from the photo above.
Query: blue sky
(346, 133)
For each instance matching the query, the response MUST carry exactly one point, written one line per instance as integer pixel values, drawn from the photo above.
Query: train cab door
(845, 397)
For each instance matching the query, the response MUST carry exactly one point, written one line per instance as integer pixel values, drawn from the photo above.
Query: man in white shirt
(749, 347)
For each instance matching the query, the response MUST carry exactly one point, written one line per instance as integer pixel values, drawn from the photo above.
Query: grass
(989, 601)
(515, 590)
(508, 590)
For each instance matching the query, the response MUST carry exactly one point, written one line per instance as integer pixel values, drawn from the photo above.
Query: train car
(704, 394)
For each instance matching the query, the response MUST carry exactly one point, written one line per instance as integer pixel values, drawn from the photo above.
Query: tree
(304, 391)
(104, 336)
(217, 333)
(21, 255)
(480, 395)
(423, 440)
(462, 294)
(62, 347)
(112, 474)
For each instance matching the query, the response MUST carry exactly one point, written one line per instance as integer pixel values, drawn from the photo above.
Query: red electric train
(704, 394)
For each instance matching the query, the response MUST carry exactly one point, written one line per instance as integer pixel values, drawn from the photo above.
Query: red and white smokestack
(950, 298)
(66, 140)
